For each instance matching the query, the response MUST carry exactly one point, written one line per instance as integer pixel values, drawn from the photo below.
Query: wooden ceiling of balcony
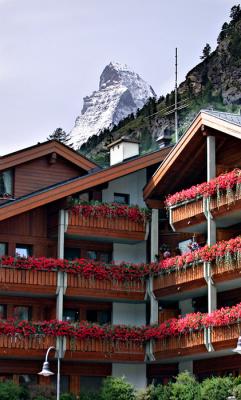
(186, 164)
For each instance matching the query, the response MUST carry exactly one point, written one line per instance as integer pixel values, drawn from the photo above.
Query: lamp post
(47, 372)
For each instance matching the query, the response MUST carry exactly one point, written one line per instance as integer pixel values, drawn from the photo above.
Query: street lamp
(47, 372)
(238, 348)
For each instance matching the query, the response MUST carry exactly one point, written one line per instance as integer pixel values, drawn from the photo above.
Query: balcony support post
(211, 173)
(154, 234)
(154, 308)
(62, 276)
(149, 351)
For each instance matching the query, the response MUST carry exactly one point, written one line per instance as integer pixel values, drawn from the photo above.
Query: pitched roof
(42, 149)
(225, 123)
(225, 116)
(75, 185)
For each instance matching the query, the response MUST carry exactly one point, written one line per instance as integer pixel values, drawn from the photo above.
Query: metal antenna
(176, 108)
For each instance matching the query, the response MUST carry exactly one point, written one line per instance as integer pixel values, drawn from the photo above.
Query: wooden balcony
(225, 337)
(179, 281)
(189, 214)
(104, 227)
(81, 287)
(191, 278)
(30, 281)
(103, 350)
(32, 346)
(178, 346)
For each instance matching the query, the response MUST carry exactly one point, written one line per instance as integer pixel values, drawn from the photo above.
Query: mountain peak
(121, 92)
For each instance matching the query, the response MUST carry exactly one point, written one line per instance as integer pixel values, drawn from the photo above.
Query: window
(70, 315)
(102, 317)
(104, 257)
(6, 183)
(90, 382)
(64, 383)
(71, 253)
(23, 250)
(22, 313)
(27, 380)
(121, 198)
(3, 311)
(3, 249)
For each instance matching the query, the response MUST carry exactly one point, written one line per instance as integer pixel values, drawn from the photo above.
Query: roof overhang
(42, 149)
(80, 184)
(177, 159)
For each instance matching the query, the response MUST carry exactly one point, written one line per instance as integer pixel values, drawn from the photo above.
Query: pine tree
(206, 51)
(224, 32)
(235, 13)
(61, 136)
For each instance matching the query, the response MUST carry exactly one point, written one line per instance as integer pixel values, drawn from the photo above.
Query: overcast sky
(52, 53)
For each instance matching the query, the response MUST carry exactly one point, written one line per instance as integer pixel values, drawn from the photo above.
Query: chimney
(163, 141)
(123, 149)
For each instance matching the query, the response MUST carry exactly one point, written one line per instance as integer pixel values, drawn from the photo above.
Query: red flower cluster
(224, 182)
(83, 330)
(224, 251)
(89, 269)
(195, 322)
(111, 210)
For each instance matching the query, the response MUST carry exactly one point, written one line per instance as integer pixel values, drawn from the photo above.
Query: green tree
(185, 388)
(206, 51)
(61, 136)
(216, 388)
(117, 389)
(224, 32)
(235, 13)
(11, 391)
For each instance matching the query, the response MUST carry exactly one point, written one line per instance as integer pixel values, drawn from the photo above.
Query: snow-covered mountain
(121, 92)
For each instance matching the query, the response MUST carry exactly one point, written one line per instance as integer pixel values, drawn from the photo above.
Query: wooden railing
(224, 337)
(16, 280)
(77, 285)
(194, 208)
(192, 277)
(179, 280)
(25, 346)
(105, 227)
(99, 349)
(177, 346)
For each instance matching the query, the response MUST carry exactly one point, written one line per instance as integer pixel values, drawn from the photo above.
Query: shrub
(216, 388)
(45, 392)
(237, 392)
(185, 388)
(89, 396)
(12, 391)
(67, 396)
(116, 389)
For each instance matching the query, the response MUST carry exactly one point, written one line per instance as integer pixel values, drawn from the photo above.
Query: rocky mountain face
(121, 92)
(213, 83)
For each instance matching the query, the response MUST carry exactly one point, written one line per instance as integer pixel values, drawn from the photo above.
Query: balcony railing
(220, 195)
(179, 281)
(189, 271)
(79, 286)
(31, 281)
(224, 337)
(99, 349)
(177, 346)
(25, 347)
(117, 228)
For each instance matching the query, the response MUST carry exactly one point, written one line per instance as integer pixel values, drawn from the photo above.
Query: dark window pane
(3, 311)
(23, 250)
(64, 382)
(21, 313)
(70, 315)
(121, 198)
(90, 383)
(71, 253)
(3, 249)
(6, 183)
